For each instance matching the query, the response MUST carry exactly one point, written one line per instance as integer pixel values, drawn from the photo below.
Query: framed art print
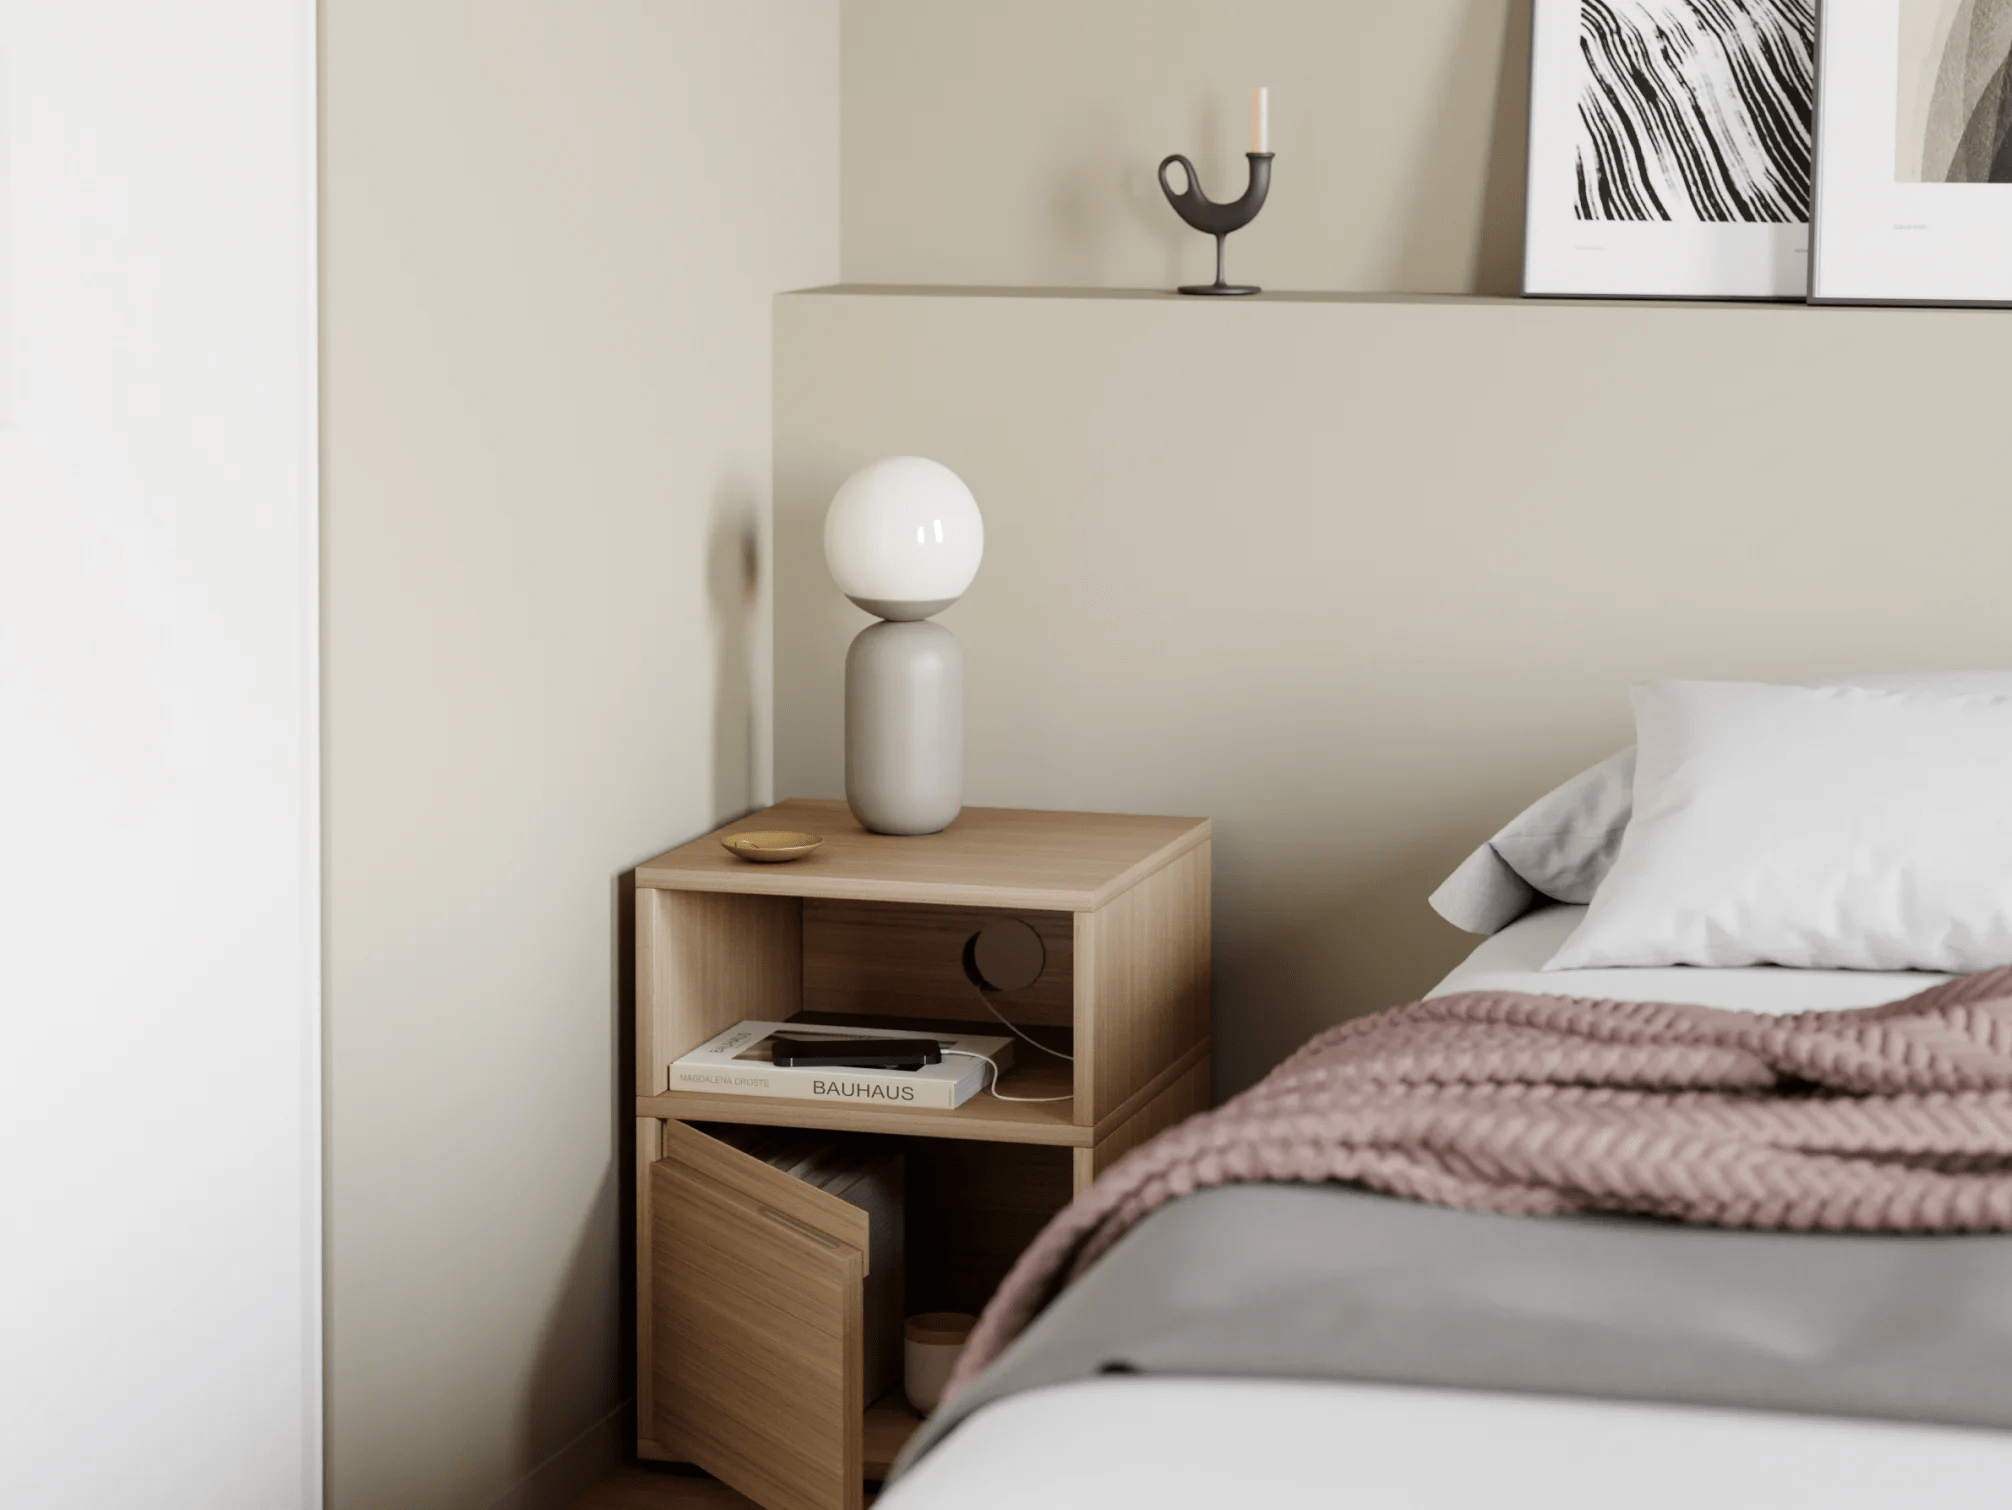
(1670, 150)
(1914, 194)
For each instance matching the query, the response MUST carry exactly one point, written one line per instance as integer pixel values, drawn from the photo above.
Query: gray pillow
(1562, 846)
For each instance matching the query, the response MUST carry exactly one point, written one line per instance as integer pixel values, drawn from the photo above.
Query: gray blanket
(1332, 1282)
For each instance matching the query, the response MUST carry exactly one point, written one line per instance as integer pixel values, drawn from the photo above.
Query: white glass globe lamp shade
(903, 538)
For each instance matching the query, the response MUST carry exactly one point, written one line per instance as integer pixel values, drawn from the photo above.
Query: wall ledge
(1270, 297)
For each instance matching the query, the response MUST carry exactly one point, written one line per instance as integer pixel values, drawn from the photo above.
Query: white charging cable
(978, 985)
(1031, 1043)
(997, 1095)
(1018, 1034)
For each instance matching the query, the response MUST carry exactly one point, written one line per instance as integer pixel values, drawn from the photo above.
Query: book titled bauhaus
(739, 1063)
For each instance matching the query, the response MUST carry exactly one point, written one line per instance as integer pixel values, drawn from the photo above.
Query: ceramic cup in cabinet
(931, 1344)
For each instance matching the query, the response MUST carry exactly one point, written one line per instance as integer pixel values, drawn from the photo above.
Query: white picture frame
(1899, 218)
(1672, 214)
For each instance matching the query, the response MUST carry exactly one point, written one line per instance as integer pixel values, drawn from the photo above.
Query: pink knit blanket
(1888, 1119)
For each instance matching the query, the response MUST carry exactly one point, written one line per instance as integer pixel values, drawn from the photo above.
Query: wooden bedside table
(751, 1283)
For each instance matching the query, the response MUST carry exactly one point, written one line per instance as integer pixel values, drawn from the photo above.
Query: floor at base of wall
(643, 1489)
(648, 1489)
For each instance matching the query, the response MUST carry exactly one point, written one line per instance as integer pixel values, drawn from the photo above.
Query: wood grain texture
(649, 1149)
(1125, 1110)
(889, 1423)
(764, 1184)
(1187, 1095)
(705, 961)
(640, 1489)
(902, 960)
(756, 1342)
(983, 1118)
(753, 1332)
(990, 857)
(1142, 983)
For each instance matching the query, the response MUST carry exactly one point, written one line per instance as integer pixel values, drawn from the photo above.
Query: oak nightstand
(751, 1282)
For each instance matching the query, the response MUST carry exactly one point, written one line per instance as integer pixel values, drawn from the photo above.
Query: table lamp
(903, 539)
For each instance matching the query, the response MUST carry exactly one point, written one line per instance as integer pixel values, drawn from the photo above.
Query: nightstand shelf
(885, 1430)
(751, 1309)
(982, 1117)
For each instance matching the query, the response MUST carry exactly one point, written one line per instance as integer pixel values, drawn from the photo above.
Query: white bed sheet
(1513, 960)
(1210, 1444)
(1202, 1444)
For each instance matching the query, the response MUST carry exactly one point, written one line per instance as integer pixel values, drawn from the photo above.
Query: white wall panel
(159, 1114)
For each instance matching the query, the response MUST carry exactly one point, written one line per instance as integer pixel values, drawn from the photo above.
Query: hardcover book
(738, 1063)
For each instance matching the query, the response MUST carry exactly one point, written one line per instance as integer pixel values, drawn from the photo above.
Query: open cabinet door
(756, 1284)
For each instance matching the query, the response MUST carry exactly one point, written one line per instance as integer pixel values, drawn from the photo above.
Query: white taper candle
(1260, 120)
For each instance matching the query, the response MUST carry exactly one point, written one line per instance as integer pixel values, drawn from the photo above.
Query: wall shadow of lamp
(903, 539)
(1218, 220)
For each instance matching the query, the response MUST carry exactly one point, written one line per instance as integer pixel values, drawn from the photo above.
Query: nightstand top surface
(990, 857)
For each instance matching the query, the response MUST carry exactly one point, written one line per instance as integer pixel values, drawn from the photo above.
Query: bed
(1531, 1242)
(1560, 1433)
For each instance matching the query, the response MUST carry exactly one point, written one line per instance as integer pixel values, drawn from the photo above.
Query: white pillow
(1836, 828)
(1564, 843)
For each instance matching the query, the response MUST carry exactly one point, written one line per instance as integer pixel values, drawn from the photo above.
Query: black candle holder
(1218, 220)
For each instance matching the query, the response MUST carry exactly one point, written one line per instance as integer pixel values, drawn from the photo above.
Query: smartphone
(854, 1053)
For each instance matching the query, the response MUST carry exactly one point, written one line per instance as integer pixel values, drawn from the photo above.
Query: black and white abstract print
(1696, 110)
(1955, 95)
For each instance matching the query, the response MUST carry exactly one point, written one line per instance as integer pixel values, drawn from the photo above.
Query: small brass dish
(772, 846)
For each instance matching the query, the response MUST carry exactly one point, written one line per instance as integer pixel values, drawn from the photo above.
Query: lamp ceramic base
(904, 727)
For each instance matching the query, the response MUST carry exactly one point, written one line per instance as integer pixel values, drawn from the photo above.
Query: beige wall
(1359, 578)
(551, 236)
(1017, 143)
